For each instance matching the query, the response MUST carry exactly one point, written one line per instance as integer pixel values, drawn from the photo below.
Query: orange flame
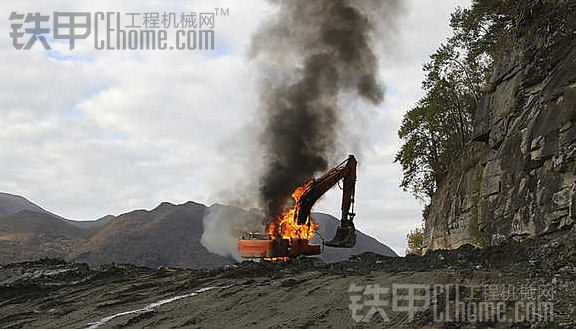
(287, 227)
(276, 259)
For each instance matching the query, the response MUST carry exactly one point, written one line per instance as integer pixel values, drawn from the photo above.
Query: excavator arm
(345, 171)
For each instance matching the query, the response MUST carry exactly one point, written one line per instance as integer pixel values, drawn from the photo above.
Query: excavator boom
(345, 171)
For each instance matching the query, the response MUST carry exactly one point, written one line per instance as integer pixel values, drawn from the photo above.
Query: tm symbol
(222, 11)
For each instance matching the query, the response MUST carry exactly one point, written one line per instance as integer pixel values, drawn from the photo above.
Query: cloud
(87, 133)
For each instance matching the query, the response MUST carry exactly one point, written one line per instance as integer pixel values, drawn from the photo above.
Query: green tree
(437, 130)
(415, 241)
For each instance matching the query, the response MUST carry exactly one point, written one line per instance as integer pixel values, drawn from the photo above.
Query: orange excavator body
(261, 246)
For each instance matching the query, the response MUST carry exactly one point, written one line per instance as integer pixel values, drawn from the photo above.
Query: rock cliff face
(518, 177)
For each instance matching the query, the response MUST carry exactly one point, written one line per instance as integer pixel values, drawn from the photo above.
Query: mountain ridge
(167, 235)
(12, 203)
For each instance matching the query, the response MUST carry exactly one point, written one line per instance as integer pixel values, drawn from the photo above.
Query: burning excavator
(289, 236)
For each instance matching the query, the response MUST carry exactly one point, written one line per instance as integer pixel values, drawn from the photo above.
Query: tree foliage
(415, 241)
(438, 128)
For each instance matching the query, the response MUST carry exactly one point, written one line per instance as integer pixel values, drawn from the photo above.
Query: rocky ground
(302, 294)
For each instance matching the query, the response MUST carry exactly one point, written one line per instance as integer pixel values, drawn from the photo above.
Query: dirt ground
(304, 293)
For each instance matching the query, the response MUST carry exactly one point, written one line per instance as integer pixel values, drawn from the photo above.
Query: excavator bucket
(345, 237)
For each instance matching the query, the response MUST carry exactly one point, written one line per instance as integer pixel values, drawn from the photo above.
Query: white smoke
(224, 225)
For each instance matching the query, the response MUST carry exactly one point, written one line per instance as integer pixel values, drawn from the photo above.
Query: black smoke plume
(316, 51)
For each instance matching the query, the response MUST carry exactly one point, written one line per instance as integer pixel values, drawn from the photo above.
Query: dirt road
(303, 294)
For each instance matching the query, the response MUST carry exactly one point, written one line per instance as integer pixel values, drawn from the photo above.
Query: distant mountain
(92, 224)
(11, 204)
(169, 235)
(29, 235)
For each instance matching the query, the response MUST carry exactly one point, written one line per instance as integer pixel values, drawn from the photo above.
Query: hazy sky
(86, 133)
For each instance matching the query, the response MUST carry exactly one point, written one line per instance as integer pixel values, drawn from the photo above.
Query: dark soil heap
(304, 293)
